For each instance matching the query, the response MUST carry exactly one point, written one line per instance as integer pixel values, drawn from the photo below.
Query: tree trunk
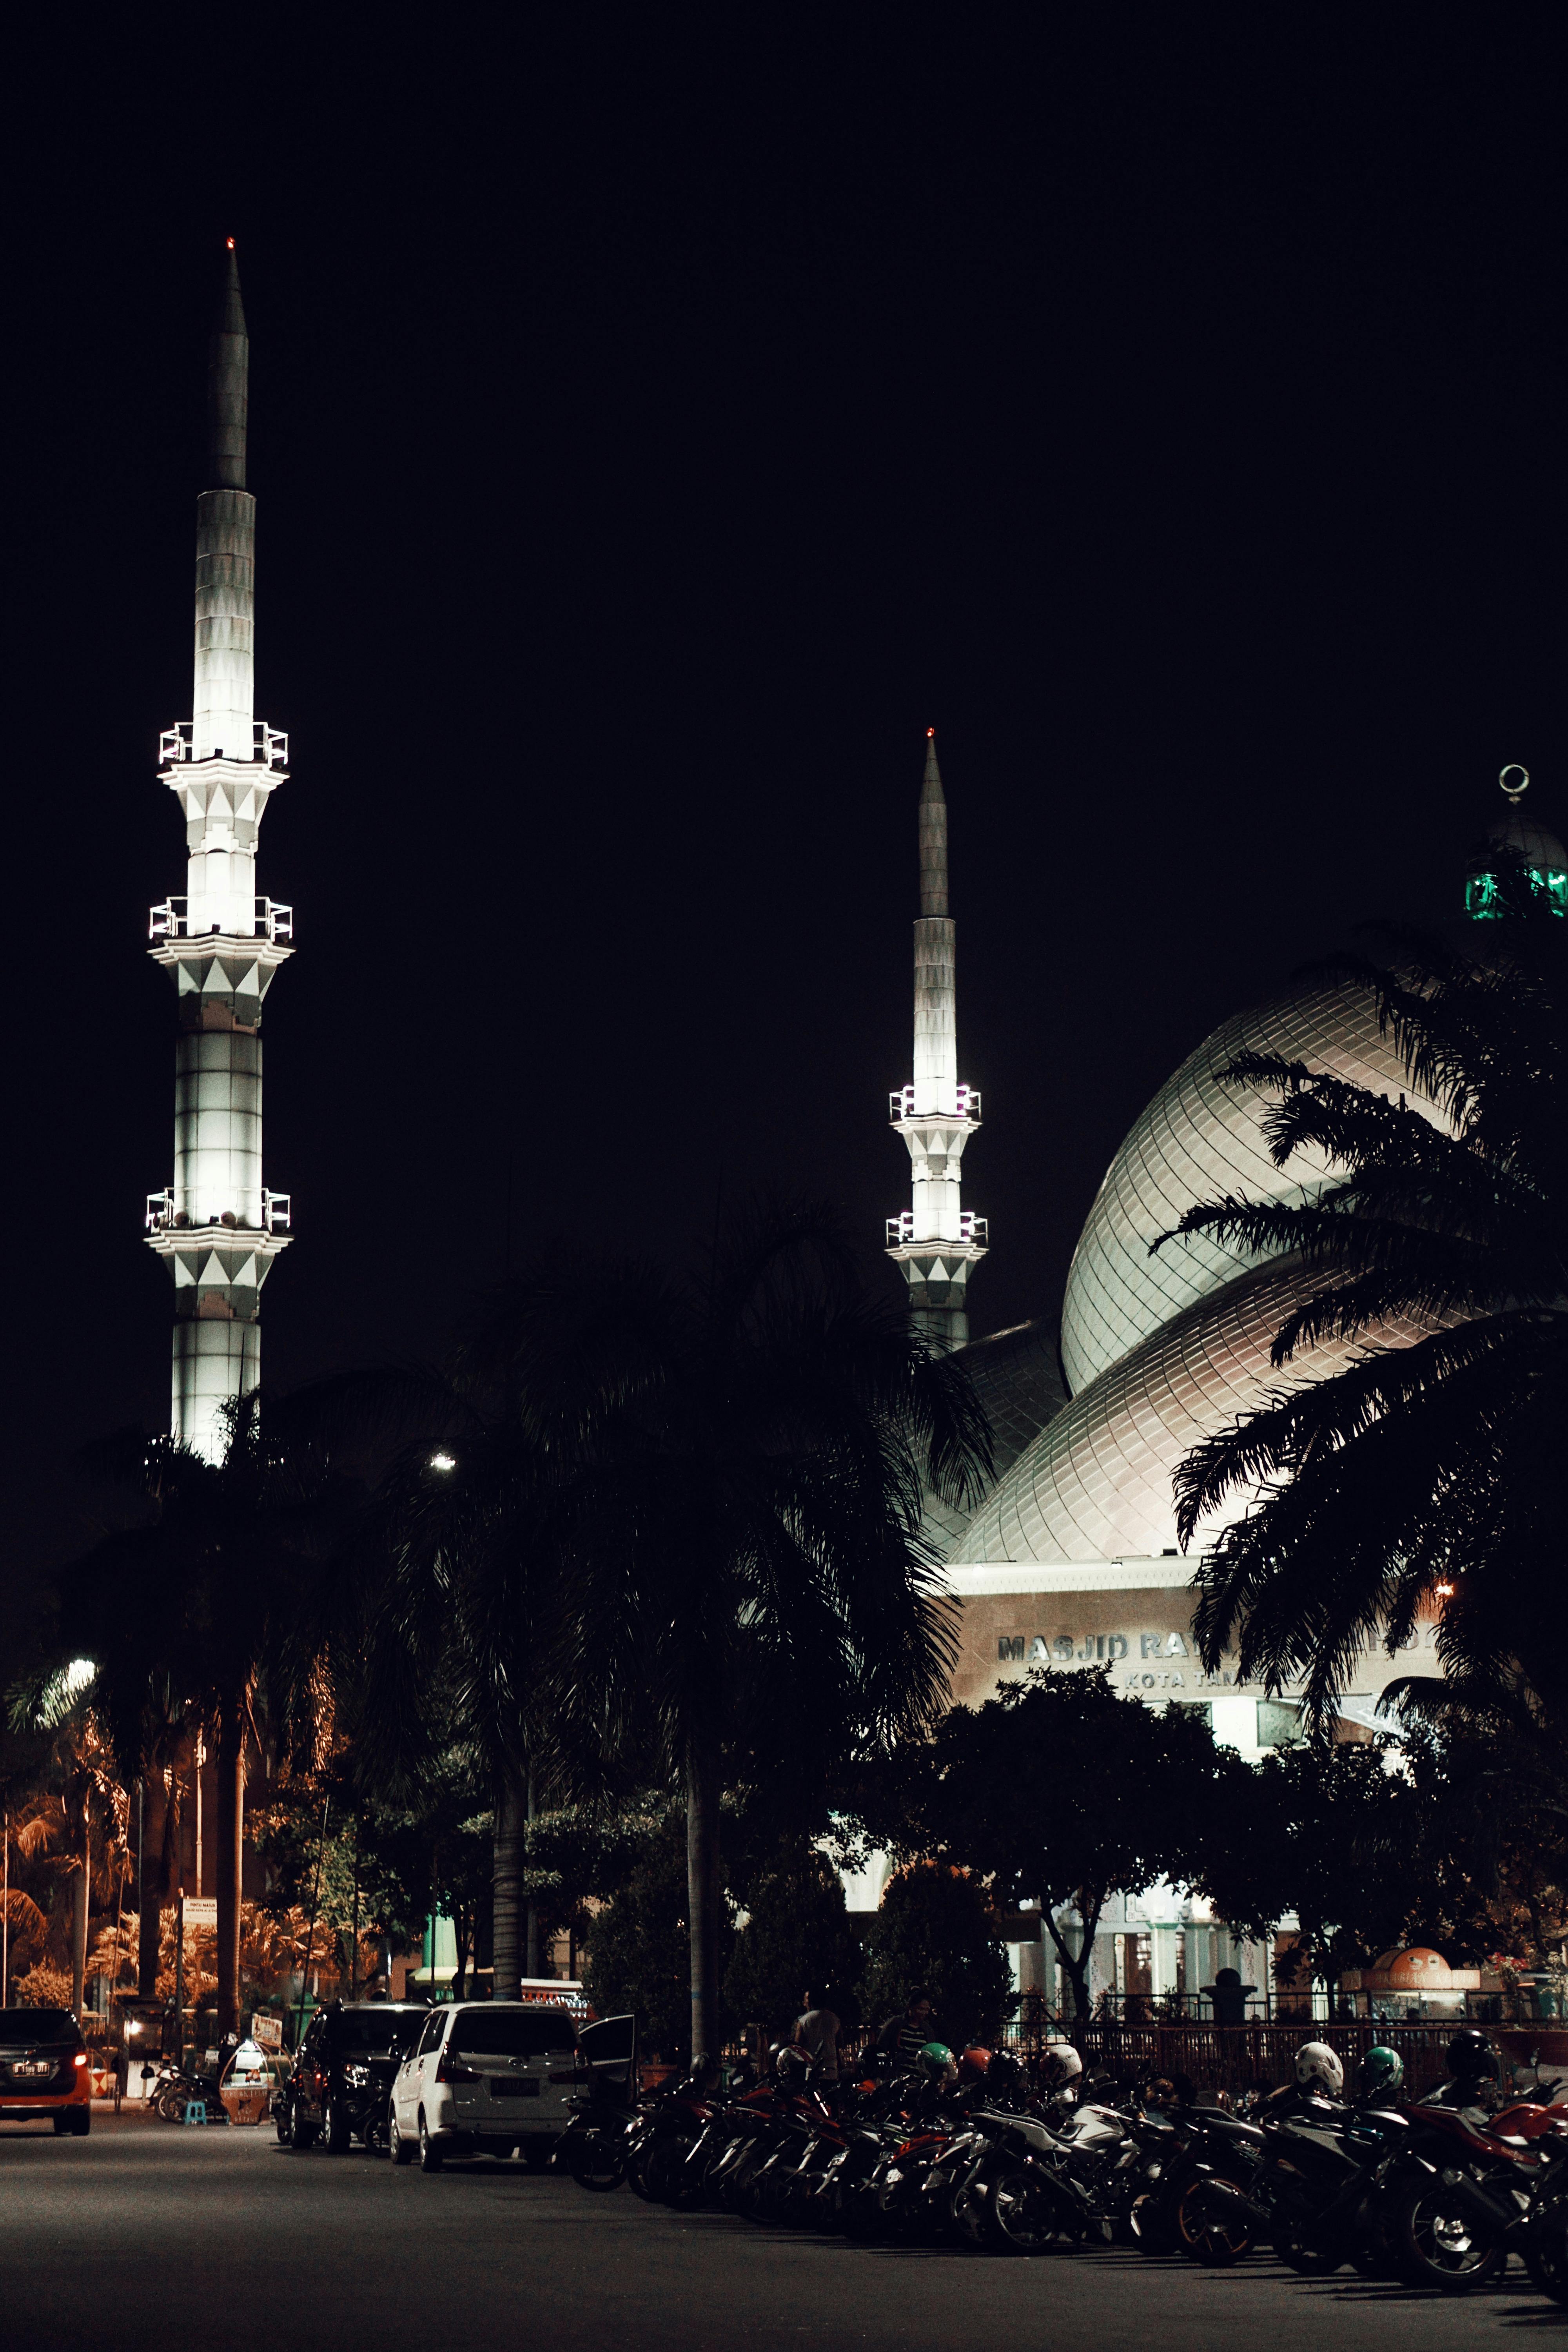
(231, 1843)
(154, 1879)
(505, 1891)
(1077, 1964)
(702, 1892)
(534, 1958)
(78, 1924)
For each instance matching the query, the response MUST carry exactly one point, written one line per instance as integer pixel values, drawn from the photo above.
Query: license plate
(507, 2086)
(33, 2066)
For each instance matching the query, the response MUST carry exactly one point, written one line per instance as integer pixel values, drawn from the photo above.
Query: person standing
(905, 2037)
(816, 2032)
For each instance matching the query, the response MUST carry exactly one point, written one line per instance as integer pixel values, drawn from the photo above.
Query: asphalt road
(148, 2235)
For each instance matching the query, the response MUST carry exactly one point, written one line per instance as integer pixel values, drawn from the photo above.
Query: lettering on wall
(1156, 1653)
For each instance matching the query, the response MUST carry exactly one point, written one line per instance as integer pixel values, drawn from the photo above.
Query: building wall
(1134, 1618)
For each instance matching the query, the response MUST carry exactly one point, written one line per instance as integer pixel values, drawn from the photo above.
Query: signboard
(201, 1910)
(267, 2032)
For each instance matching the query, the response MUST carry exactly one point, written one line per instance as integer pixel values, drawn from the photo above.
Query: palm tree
(457, 1561)
(213, 1608)
(76, 1810)
(712, 1531)
(1421, 1477)
(165, 1740)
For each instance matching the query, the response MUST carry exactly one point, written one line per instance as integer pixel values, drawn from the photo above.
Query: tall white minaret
(937, 1241)
(217, 1225)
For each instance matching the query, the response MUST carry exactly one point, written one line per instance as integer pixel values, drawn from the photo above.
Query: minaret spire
(217, 1225)
(228, 383)
(933, 834)
(936, 1241)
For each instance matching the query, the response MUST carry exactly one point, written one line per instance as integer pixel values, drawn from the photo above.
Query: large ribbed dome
(1096, 1482)
(1162, 1351)
(1198, 1140)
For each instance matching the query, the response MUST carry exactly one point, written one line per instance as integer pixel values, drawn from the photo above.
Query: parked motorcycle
(594, 2145)
(1200, 2185)
(1467, 2192)
(177, 2089)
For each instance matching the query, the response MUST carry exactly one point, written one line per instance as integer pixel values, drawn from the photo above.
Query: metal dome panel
(1096, 1485)
(1198, 1140)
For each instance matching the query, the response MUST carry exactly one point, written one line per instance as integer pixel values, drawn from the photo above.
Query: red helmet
(972, 2065)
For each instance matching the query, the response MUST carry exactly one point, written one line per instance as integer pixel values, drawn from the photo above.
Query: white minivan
(484, 2077)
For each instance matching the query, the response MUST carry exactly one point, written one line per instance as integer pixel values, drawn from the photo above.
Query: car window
(368, 2029)
(431, 2035)
(34, 2025)
(610, 2041)
(514, 2032)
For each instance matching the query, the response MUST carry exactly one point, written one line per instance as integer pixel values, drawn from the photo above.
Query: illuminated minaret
(937, 1241)
(217, 1225)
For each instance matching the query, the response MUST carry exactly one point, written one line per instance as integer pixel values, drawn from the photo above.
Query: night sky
(654, 434)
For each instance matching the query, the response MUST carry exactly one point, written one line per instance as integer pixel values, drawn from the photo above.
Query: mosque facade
(1071, 1558)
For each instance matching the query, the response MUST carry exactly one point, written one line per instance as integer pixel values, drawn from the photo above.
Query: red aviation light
(231, 244)
(930, 731)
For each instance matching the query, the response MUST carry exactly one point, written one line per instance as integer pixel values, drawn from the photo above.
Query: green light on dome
(1484, 901)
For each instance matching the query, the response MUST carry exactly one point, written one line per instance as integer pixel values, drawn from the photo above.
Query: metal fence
(1234, 2058)
(1524, 2005)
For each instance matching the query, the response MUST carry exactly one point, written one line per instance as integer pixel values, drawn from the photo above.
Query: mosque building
(1071, 1558)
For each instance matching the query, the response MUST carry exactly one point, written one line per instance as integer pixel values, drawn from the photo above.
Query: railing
(1235, 2058)
(901, 1105)
(171, 919)
(972, 1231)
(268, 744)
(277, 1215)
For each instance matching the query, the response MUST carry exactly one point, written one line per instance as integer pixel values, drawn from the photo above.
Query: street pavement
(149, 2234)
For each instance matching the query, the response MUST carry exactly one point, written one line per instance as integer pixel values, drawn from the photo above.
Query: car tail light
(81, 2058)
(448, 2070)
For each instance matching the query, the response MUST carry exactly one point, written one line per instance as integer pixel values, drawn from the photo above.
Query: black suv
(342, 2076)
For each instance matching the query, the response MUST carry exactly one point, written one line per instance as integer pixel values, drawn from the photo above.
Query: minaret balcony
(901, 1106)
(268, 744)
(172, 921)
(974, 1232)
(277, 1216)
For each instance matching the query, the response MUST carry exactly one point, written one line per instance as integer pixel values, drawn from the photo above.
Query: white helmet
(1318, 2067)
(1060, 2064)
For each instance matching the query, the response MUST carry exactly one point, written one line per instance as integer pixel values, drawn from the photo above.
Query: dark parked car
(342, 2075)
(44, 2069)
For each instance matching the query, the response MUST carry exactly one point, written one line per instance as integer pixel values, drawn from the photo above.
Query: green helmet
(937, 2062)
(1380, 2075)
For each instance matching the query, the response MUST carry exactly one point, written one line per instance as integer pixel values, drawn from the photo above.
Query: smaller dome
(1420, 1969)
(1488, 892)
(1531, 841)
